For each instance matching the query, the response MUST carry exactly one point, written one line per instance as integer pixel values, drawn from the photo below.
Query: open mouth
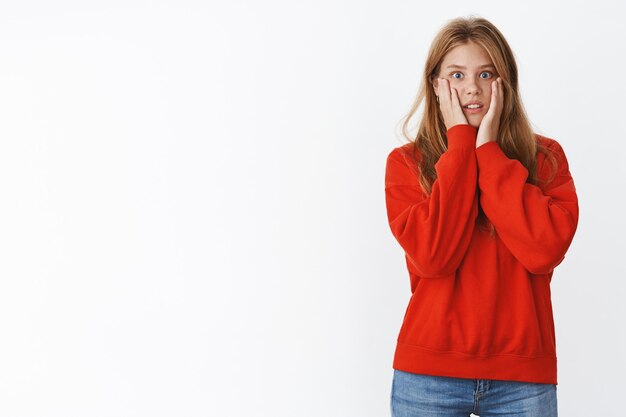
(473, 108)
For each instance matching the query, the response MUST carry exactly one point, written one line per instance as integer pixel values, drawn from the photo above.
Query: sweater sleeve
(536, 224)
(435, 230)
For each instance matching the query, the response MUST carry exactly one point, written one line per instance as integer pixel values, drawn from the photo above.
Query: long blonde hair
(515, 136)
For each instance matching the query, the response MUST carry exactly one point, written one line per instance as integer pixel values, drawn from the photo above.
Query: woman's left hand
(490, 124)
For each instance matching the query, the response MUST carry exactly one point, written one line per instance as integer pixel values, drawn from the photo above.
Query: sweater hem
(505, 367)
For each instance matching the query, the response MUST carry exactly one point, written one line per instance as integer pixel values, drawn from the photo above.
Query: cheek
(487, 88)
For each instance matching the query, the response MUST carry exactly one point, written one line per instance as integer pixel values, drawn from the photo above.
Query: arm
(435, 231)
(537, 225)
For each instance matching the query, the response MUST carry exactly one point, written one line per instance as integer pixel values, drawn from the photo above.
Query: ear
(435, 84)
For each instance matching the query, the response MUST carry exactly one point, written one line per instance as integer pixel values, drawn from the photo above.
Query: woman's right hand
(449, 104)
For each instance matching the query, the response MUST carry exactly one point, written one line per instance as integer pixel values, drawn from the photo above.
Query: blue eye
(489, 75)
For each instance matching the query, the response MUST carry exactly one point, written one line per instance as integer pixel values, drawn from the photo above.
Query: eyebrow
(462, 67)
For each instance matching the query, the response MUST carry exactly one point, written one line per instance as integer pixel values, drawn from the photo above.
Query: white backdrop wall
(193, 220)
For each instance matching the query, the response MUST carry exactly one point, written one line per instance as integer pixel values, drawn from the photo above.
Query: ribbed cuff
(461, 136)
(490, 154)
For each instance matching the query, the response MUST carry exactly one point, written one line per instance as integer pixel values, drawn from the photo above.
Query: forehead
(467, 55)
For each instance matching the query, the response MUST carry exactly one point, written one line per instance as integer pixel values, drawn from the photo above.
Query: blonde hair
(515, 136)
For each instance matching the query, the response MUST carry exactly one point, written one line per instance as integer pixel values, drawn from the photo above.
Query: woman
(484, 210)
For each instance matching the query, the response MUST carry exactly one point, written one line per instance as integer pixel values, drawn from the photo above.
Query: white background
(192, 217)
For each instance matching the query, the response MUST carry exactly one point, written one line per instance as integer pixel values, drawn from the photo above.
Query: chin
(474, 121)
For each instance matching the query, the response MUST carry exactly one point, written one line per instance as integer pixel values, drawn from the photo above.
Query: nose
(472, 88)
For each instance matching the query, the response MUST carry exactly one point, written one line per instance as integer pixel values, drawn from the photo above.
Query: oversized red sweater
(480, 306)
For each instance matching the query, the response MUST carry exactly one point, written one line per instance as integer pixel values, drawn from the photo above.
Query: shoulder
(402, 161)
(407, 153)
(552, 164)
(546, 141)
(552, 146)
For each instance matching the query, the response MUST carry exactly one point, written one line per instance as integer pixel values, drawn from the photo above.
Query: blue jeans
(417, 395)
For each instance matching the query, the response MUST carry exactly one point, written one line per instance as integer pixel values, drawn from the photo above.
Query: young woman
(484, 209)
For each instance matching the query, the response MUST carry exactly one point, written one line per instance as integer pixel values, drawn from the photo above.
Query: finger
(499, 100)
(456, 102)
(495, 108)
(492, 106)
(439, 89)
(457, 111)
(444, 92)
(494, 97)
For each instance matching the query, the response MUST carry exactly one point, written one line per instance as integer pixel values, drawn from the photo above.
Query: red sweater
(480, 306)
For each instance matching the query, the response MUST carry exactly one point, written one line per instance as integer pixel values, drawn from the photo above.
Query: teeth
(473, 106)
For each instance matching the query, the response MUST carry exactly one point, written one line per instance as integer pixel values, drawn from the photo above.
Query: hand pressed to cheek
(490, 124)
(497, 101)
(449, 104)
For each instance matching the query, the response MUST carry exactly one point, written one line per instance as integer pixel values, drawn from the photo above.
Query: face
(470, 71)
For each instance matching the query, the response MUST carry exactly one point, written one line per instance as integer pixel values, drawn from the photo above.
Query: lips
(473, 102)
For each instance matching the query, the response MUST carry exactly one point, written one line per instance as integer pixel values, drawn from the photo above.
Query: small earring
(437, 99)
